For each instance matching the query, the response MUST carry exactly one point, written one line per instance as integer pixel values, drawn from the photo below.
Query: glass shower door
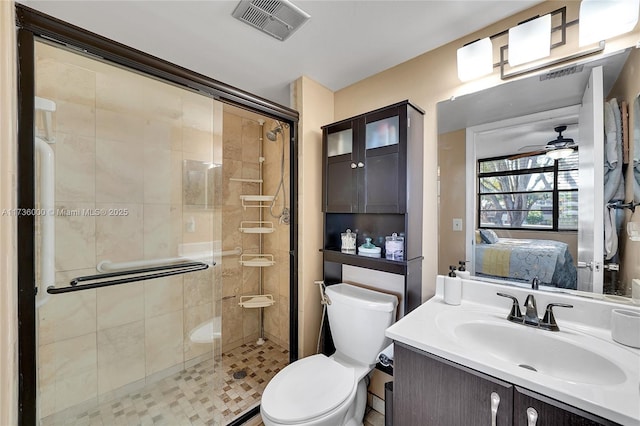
(128, 182)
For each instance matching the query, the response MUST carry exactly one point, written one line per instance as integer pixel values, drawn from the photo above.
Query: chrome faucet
(531, 311)
(530, 317)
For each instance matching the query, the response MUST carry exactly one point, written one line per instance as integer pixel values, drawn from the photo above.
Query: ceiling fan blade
(531, 147)
(526, 154)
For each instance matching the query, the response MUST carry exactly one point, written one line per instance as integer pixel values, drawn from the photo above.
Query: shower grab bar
(109, 266)
(159, 272)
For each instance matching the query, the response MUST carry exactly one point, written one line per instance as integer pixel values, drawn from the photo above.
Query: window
(533, 192)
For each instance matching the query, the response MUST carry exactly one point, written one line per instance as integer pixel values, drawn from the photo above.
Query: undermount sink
(566, 355)
(541, 351)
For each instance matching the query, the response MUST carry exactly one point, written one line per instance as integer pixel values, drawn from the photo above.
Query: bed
(523, 260)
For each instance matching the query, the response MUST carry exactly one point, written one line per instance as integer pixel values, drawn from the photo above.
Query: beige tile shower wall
(276, 278)
(120, 142)
(241, 152)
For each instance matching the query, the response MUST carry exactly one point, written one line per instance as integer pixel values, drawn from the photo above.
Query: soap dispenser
(462, 271)
(452, 287)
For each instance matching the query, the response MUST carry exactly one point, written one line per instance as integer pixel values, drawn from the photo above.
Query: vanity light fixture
(557, 154)
(530, 40)
(600, 20)
(475, 59)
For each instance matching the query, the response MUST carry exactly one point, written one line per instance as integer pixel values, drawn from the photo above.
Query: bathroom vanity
(429, 390)
(467, 364)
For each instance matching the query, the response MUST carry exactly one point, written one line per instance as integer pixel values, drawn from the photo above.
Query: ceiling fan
(557, 148)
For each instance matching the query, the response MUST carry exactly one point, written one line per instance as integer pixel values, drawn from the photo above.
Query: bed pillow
(478, 238)
(489, 236)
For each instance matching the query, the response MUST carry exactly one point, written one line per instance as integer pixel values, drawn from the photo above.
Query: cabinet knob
(495, 402)
(532, 416)
(353, 165)
(361, 164)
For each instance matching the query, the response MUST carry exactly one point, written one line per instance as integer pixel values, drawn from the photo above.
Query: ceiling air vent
(562, 72)
(278, 18)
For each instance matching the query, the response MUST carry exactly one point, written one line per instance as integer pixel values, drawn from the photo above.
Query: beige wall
(627, 87)
(451, 198)
(316, 104)
(8, 270)
(432, 77)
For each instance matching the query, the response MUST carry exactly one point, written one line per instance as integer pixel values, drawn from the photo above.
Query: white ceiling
(343, 42)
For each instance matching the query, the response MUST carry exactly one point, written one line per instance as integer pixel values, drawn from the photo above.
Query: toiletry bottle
(452, 288)
(462, 271)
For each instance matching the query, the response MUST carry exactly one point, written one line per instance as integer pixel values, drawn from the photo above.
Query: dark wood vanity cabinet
(371, 161)
(429, 390)
(549, 411)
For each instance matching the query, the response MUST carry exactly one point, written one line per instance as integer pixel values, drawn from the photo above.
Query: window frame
(555, 193)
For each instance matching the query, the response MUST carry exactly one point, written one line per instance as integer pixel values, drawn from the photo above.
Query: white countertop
(429, 328)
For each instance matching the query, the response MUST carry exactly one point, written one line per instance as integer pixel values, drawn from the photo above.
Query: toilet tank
(358, 318)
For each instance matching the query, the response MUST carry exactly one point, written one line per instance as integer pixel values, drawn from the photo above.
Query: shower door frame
(32, 24)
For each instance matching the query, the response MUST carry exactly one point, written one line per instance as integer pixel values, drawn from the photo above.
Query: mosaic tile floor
(194, 396)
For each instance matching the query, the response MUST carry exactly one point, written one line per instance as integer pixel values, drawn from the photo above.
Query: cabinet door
(429, 390)
(340, 169)
(382, 180)
(549, 412)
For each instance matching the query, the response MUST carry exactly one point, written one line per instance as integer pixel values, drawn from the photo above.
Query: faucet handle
(515, 313)
(549, 321)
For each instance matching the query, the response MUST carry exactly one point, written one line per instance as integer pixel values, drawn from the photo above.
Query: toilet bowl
(332, 391)
(313, 391)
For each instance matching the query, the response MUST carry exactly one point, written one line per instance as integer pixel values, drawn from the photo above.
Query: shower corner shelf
(256, 227)
(257, 301)
(256, 200)
(257, 260)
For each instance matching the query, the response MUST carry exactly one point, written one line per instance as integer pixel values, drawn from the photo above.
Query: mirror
(495, 175)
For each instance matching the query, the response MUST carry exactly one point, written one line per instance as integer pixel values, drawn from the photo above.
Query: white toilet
(332, 391)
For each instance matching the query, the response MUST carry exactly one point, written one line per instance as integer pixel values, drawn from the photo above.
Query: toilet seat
(307, 389)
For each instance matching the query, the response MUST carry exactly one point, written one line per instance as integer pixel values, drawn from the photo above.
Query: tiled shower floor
(194, 396)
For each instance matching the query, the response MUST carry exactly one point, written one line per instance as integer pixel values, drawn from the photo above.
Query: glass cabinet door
(340, 143)
(383, 132)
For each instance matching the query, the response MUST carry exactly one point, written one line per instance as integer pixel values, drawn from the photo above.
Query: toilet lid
(306, 389)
